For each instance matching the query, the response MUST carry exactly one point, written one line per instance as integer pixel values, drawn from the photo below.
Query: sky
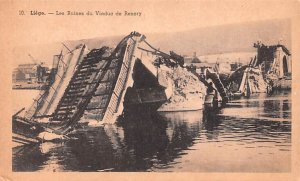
(157, 17)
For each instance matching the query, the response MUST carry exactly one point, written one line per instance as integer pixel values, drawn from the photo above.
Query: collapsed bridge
(102, 84)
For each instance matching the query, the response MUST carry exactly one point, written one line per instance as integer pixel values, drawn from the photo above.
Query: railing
(61, 79)
(38, 101)
(118, 92)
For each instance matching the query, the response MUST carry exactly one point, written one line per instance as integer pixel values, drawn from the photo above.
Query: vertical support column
(280, 59)
(289, 62)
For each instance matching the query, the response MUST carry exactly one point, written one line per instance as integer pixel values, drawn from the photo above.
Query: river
(249, 135)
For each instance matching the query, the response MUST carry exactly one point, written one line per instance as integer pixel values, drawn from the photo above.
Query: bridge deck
(95, 87)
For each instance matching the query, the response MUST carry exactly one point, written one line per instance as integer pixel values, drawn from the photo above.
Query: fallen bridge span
(103, 84)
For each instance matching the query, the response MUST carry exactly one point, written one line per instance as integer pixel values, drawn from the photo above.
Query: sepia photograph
(112, 87)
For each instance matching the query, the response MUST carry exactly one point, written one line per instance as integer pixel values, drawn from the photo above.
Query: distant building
(235, 66)
(192, 59)
(194, 64)
(30, 73)
(199, 67)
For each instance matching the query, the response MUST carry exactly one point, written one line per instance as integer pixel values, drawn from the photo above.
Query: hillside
(229, 38)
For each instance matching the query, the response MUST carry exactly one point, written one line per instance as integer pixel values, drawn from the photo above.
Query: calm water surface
(249, 135)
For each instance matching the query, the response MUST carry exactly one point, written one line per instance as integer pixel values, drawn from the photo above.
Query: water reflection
(135, 144)
(256, 131)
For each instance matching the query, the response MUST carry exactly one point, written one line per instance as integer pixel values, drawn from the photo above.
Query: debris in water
(188, 92)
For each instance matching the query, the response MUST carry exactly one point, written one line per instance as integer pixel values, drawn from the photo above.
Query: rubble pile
(256, 81)
(188, 92)
(279, 83)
